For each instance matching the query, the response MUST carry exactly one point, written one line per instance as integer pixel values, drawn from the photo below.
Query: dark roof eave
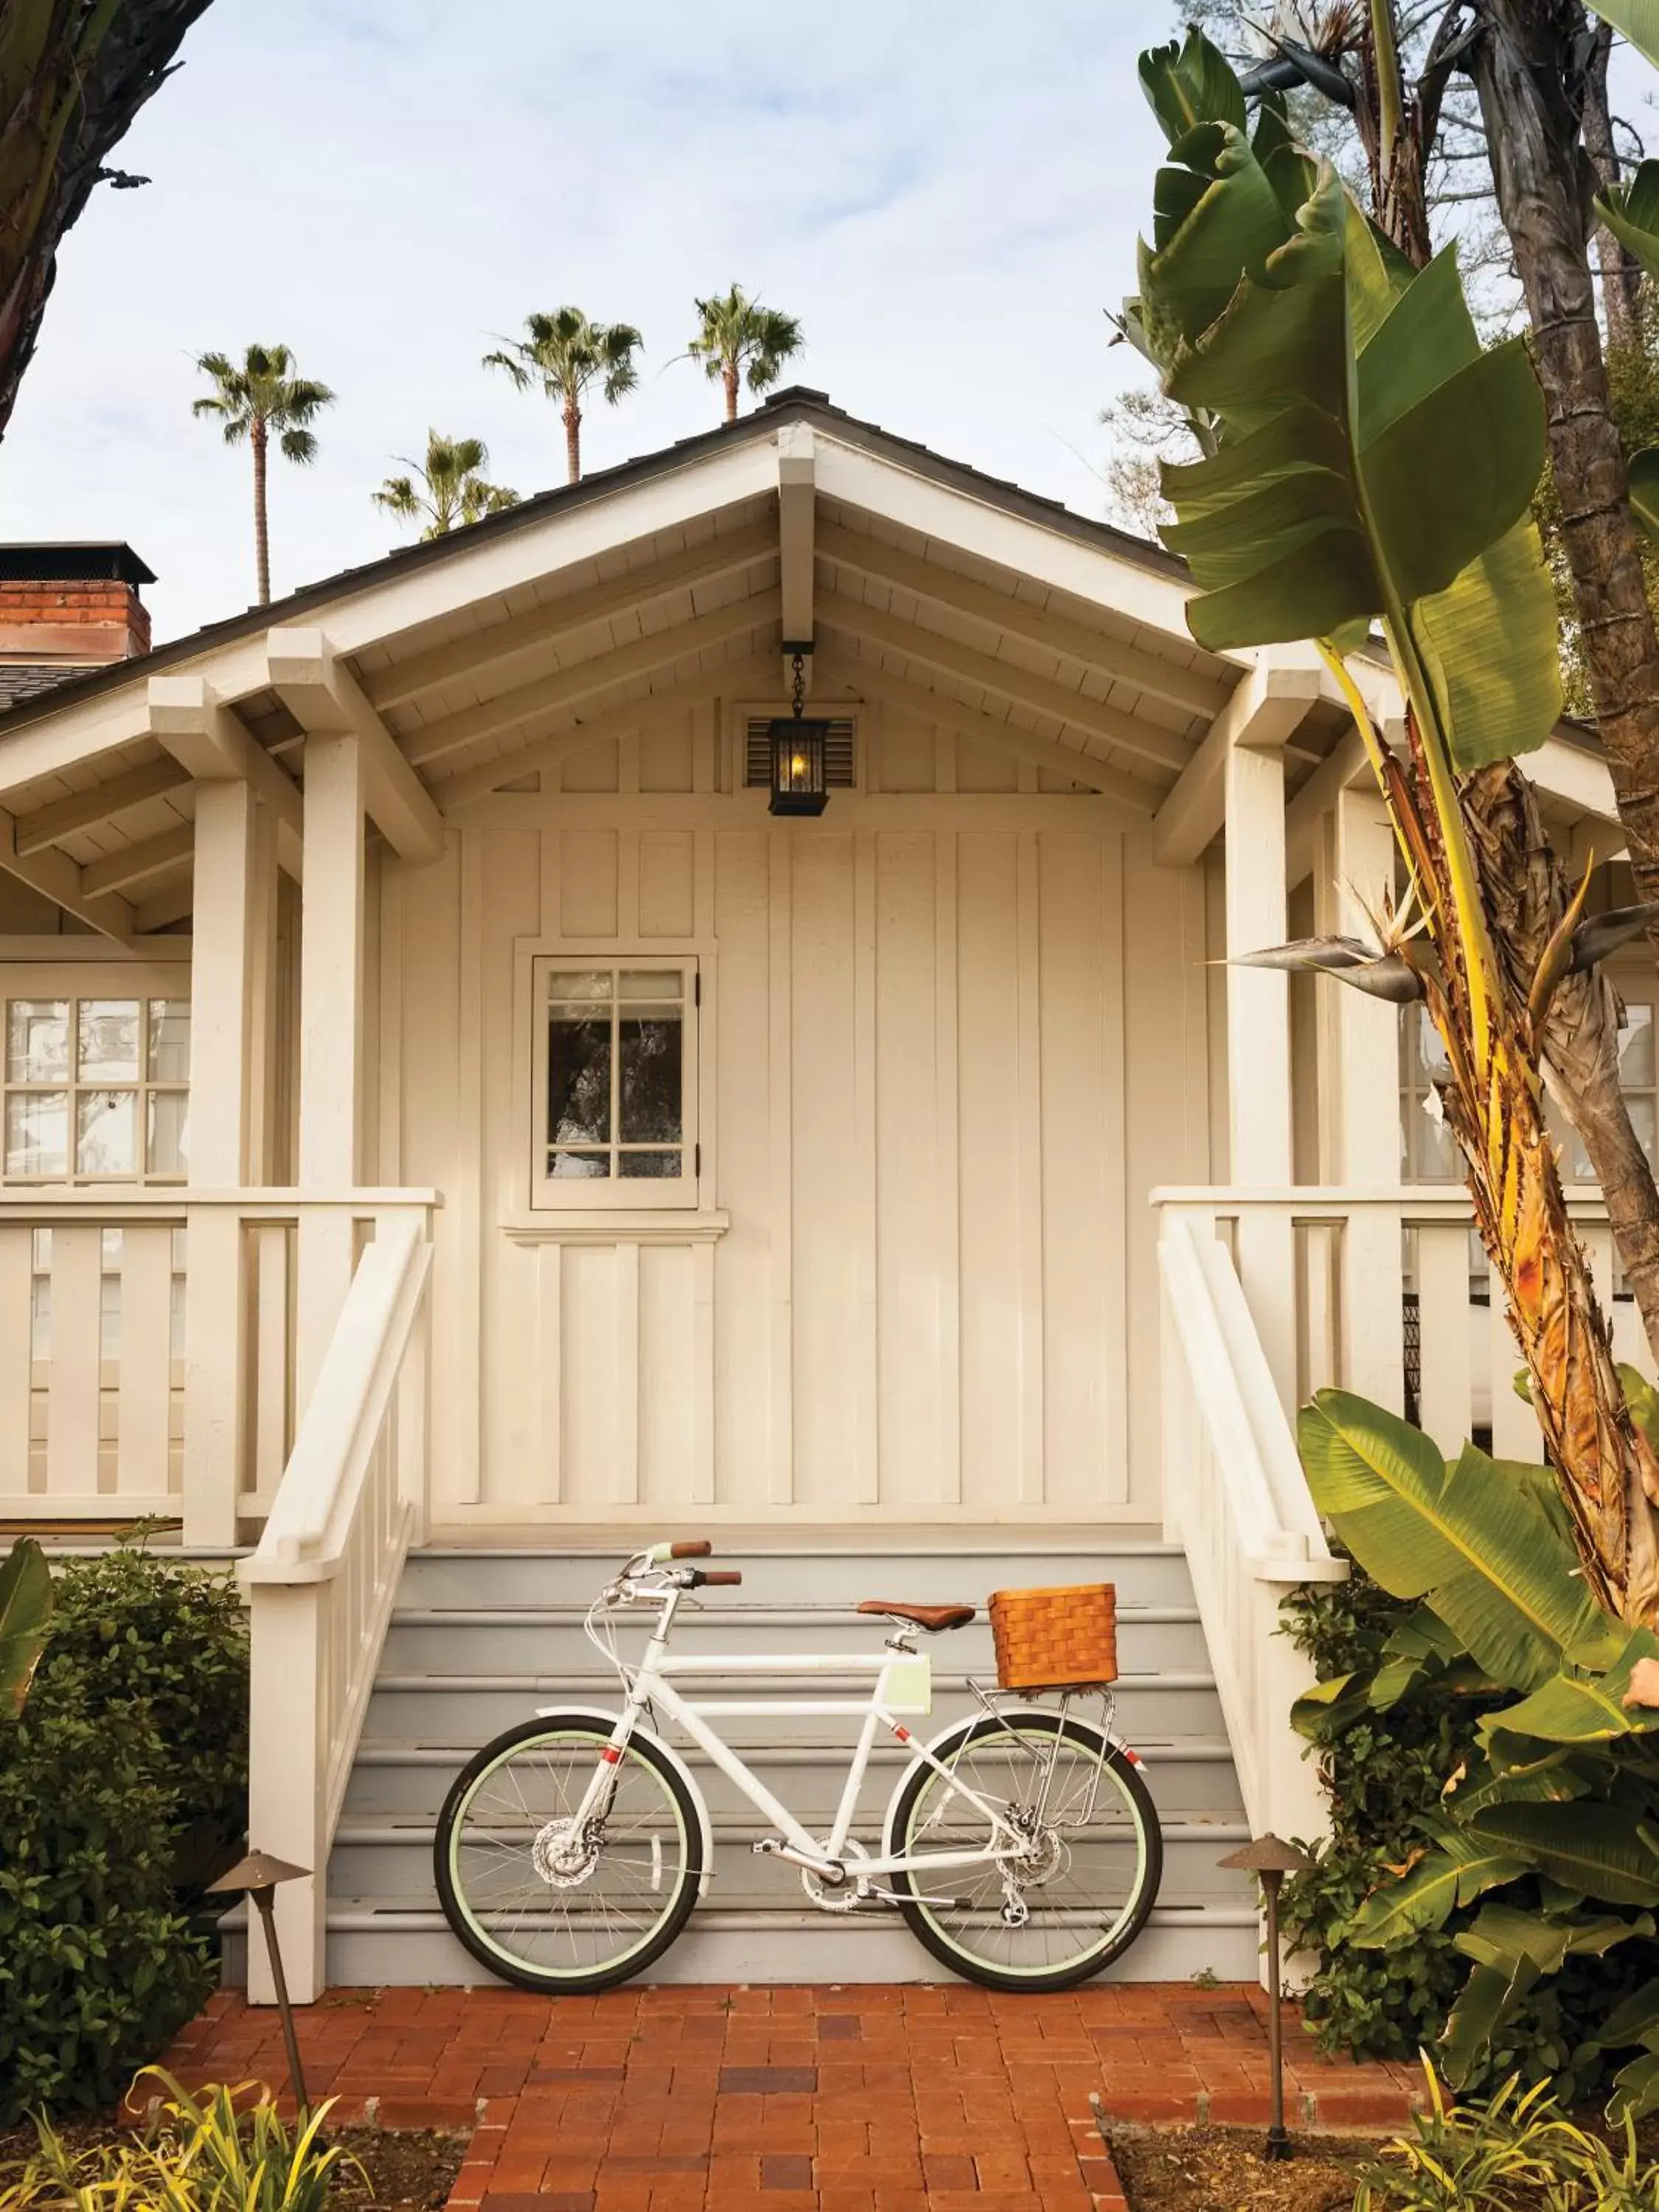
(796, 404)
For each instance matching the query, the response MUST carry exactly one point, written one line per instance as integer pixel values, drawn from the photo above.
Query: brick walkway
(820, 2100)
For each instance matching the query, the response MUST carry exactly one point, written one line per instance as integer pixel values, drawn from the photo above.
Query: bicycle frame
(651, 1683)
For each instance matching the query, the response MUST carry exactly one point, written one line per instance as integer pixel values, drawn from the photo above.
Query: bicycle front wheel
(552, 1903)
(1082, 1889)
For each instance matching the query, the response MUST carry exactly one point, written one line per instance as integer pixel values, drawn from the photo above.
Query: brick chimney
(70, 607)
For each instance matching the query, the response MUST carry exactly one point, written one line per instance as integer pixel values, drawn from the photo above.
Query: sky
(947, 195)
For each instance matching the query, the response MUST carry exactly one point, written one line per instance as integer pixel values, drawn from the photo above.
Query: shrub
(123, 1787)
(1396, 1719)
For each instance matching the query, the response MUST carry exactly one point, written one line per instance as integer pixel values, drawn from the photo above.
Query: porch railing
(1234, 1497)
(1268, 1296)
(1386, 1293)
(323, 1581)
(101, 1376)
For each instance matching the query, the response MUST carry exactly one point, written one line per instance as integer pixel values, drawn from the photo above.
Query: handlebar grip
(722, 1577)
(695, 1547)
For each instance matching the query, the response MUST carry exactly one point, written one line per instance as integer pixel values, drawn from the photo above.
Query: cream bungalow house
(458, 1122)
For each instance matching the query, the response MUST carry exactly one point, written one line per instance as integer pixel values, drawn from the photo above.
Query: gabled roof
(943, 596)
(796, 404)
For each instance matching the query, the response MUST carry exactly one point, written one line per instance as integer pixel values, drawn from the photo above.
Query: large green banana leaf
(1639, 20)
(1575, 1708)
(1478, 1549)
(1512, 1951)
(1374, 460)
(1600, 1850)
(25, 1620)
(1461, 1867)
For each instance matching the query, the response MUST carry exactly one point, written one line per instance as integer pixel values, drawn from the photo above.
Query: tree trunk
(1521, 66)
(261, 520)
(1526, 891)
(71, 83)
(1621, 274)
(573, 442)
(729, 377)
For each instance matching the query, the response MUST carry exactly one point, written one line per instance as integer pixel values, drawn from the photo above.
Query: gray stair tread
(422, 1826)
(786, 1612)
(435, 1750)
(583, 1677)
(1130, 1541)
(372, 1913)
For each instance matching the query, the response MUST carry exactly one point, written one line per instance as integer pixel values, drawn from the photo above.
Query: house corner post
(1259, 1044)
(227, 979)
(1361, 1128)
(331, 1039)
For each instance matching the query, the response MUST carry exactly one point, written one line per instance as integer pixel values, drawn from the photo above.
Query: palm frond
(398, 494)
(299, 446)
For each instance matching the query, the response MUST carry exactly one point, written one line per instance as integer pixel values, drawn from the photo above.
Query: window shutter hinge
(696, 1159)
(696, 988)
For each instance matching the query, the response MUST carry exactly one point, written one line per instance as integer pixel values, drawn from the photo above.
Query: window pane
(579, 1077)
(1434, 1155)
(108, 1045)
(585, 984)
(169, 1040)
(168, 1150)
(36, 1134)
(567, 1167)
(652, 1042)
(1431, 1051)
(650, 984)
(105, 1128)
(635, 1165)
(1641, 1120)
(37, 1041)
(1635, 1048)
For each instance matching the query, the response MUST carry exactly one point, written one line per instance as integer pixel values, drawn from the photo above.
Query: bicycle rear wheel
(543, 1903)
(1084, 1887)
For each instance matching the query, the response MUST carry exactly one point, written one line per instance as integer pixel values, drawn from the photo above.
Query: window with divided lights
(615, 1083)
(97, 1090)
(1427, 1153)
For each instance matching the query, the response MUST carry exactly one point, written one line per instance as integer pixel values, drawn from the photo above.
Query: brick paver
(790, 2099)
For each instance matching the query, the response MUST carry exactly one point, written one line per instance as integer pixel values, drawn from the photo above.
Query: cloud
(946, 195)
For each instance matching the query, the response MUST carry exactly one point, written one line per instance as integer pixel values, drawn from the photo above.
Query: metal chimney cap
(1268, 1855)
(258, 1870)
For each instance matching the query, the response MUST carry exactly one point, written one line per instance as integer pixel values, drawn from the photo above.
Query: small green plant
(1496, 2157)
(1606, 2179)
(199, 2154)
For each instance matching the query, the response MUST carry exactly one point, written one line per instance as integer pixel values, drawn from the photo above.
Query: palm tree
(737, 338)
(251, 399)
(453, 487)
(564, 353)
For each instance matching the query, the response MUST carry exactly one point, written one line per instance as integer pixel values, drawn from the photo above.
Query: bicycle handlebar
(721, 1577)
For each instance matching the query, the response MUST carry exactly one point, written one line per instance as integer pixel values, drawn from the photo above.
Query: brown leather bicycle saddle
(931, 1617)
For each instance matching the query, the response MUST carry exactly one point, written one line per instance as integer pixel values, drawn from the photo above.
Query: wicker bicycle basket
(1050, 1640)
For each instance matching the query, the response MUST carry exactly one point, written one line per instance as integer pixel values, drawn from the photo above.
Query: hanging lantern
(799, 784)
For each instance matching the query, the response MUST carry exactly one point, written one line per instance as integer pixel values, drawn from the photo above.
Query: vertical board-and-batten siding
(942, 1064)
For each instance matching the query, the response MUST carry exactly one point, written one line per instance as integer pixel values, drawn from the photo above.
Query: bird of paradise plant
(1365, 462)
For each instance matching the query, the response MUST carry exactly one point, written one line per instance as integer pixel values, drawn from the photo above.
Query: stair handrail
(323, 1578)
(1235, 1497)
(316, 1502)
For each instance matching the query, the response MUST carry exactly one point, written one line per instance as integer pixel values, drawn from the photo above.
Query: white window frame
(74, 983)
(550, 1195)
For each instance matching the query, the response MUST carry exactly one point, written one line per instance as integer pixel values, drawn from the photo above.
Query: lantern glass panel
(798, 784)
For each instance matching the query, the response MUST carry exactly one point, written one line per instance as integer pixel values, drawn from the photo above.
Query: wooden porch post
(1259, 1045)
(233, 880)
(286, 1811)
(330, 1037)
(1360, 1088)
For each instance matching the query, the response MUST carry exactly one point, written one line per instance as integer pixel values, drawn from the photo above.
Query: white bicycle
(1021, 1844)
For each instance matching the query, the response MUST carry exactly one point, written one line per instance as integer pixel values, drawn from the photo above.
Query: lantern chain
(798, 684)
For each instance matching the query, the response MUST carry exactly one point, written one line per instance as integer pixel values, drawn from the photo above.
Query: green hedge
(122, 1791)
